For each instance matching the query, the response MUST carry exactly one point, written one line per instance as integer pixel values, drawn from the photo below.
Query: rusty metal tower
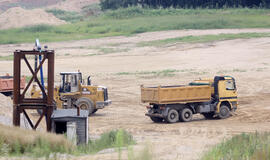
(20, 102)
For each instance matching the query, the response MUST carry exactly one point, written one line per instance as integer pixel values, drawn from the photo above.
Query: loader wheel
(186, 115)
(209, 115)
(85, 104)
(156, 119)
(173, 116)
(94, 111)
(224, 112)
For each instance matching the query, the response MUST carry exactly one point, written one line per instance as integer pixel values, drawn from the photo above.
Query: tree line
(114, 4)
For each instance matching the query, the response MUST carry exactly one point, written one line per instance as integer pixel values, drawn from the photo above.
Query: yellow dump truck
(210, 97)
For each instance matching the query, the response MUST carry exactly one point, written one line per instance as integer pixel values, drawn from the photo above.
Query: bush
(114, 4)
(38, 28)
(244, 146)
(65, 15)
(111, 139)
(17, 141)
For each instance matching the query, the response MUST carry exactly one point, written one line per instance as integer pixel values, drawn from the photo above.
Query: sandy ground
(18, 17)
(248, 60)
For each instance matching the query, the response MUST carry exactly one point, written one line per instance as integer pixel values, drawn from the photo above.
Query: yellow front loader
(73, 93)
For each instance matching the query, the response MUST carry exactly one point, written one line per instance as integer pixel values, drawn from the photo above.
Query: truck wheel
(186, 115)
(209, 115)
(173, 116)
(224, 112)
(156, 119)
(85, 104)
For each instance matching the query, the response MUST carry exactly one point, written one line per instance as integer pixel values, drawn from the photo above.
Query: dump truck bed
(175, 94)
(6, 83)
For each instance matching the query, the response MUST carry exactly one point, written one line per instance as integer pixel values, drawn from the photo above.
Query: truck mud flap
(165, 112)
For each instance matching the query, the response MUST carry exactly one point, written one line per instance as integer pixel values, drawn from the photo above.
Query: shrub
(244, 146)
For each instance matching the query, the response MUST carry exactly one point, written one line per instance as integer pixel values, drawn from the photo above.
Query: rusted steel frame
(30, 122)
(33, 106)
(34, 52)
(50, 89)
(20, 104)
(33, 100)
(16, 88)
(40, 118)
(28, 119)
(34, 76)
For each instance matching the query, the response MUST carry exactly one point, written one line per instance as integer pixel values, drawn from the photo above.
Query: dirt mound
(17, 17)
(6, 110)
(73, 5)
(6, 4)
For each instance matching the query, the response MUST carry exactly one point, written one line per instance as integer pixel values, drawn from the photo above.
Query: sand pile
(6, 106)
(18, 17)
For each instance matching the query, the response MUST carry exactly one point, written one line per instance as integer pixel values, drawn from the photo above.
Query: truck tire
(173, 116)
(224, 112)
(85, 104)
(209, 115)
(186, 115)
(156, 119)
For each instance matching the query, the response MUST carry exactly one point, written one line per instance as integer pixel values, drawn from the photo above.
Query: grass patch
(160, 73)
(6, 58)
(112, 50)
(107, 50)
(244, 146)
(113, 139)
(230, 71)
(138, 20)
(66, 15)
(14, 142)
(203, 39)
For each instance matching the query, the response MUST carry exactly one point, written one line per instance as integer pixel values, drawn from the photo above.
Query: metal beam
(20, 102)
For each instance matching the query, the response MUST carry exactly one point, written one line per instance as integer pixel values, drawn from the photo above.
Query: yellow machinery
(73, 93)
(211, 97)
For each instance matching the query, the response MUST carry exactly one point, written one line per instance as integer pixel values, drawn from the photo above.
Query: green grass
(13, 142)
(113, 139)
(6, 58)
(203, 39)
(66, 15)
(230, 71)
(253, 146)
(159, 73)
(137, 20)
(112, 50)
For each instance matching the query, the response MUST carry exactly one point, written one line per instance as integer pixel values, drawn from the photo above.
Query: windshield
(69, 82)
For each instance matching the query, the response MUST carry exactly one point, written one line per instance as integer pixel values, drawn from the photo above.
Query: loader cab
(225, 87)
(70, 82)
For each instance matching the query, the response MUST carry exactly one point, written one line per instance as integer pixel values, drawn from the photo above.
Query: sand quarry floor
(248, 60)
